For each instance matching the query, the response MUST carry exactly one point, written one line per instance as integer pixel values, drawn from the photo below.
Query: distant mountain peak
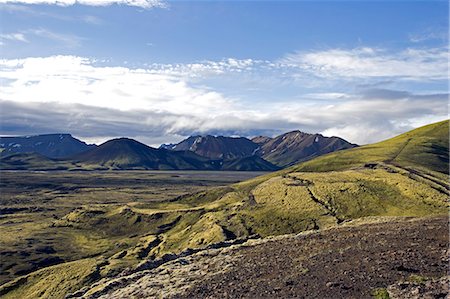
(297, 146)
(56, 145)
(124, 140)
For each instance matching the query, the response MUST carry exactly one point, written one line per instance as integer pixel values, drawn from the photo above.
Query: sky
(160, 71)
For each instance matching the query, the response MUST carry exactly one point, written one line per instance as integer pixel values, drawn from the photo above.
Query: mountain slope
(296, 146)
(425, 147)
(50, 145)
(216, 147)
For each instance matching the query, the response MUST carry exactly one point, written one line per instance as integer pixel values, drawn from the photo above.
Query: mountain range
(62, 151)
(284, 150)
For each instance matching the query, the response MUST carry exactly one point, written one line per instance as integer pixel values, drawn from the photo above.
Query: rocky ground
(395, 257)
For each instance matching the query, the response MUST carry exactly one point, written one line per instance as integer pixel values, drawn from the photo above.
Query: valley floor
(372, 257)
(31, 201)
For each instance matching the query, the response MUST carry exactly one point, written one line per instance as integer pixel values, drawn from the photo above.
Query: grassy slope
(403, 176)
(54, 281)
(425, 147)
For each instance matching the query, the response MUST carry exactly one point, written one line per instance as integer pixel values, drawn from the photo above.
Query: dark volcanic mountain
(49, 145)
(124, 153)
(195, 153)
(216, 147)
(282, 151)
(296, 146)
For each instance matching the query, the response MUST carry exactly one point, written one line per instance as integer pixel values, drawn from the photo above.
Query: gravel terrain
(402, 257)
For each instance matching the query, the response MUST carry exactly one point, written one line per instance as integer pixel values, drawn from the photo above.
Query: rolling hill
(49, 145)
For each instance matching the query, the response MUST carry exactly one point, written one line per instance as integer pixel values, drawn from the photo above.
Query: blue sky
(160, 71)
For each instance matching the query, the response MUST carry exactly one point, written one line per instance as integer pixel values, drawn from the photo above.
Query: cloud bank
(165, 103)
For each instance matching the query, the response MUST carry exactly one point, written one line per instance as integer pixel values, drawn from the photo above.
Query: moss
(52, 282)
(380, 294)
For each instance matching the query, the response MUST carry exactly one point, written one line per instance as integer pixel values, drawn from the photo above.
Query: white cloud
(68, 40)
(415, 64)
(18, 36)
(429, 34)
(26, 36)
(29, 11)
(75, 80)
(327, 96)
(137, 3)
(89, 19)
(208, 68)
